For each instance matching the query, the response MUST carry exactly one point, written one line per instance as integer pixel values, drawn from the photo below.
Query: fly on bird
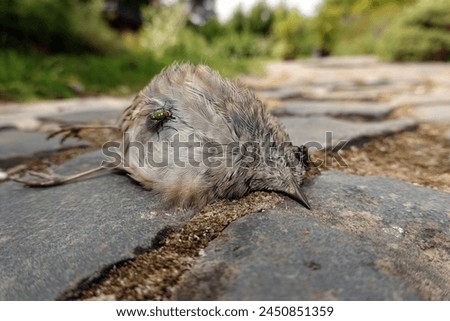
(156, 120)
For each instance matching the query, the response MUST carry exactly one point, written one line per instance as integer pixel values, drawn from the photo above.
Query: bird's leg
(74, 131)
(53, 180)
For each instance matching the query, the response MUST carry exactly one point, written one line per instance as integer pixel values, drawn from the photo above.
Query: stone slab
(366, 238)
(313, 130)
(283, 93)
(435, 114)
(345, 109)
(16, 143)
(426, 99)
(91, 116)
(324, 93)
(52, 238)
(26, 116)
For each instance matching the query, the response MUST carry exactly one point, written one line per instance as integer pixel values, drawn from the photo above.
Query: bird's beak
(297, 194)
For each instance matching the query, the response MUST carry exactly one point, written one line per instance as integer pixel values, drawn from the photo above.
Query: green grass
(37, 76)
(26, 77)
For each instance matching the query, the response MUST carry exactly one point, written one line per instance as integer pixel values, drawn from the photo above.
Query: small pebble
(3, 176)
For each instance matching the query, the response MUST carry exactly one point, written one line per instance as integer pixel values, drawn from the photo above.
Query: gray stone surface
(366, 238)
(283, 93)
(25, 116)
(308, 108)
(313, 130)
(435, 114)
(15, 143)
(325, 93)
(427, 99)
(346, 62)
(90, 116)
(52, 238)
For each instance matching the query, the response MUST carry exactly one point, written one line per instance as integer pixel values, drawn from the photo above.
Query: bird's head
(280, 168)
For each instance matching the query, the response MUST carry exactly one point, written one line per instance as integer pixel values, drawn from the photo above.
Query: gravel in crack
(150, 276)
(420, 157)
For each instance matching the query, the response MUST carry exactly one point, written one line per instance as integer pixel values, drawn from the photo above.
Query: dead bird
(195, 137)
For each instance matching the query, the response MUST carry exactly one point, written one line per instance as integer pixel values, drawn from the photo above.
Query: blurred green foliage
(63, 48)
(27, 76)
(52, 26)
(361, 33)
(162, 28)
(293, 34)
(396, 30)
(258, 21)
(421, 33)
(265, 31)
(354, 26)
(168, 34)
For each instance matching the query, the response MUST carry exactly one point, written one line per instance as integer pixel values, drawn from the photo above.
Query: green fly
(156, 120)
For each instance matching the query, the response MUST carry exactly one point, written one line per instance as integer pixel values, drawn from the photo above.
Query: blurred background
(67, 48)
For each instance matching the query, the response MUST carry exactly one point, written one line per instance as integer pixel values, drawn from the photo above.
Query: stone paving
(30, 143)
(366, 238)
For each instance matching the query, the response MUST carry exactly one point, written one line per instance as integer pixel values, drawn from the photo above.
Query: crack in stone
(152, 275)
(418, 156)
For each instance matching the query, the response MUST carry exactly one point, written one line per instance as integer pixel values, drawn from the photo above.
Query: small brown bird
(194, 137)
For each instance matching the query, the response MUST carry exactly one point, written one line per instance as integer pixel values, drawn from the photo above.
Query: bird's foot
(52, 179)
(66, 132)
(48, 179)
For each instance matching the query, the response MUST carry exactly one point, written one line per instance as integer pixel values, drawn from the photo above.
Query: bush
(258, 21)
(420, 34)
(238, 22)
(241, 45)
(354, 26)
(292, 33)
(55, 26)
(211, 30)
(162, 28)
(189, 45)
(361, 33)
(91, 31)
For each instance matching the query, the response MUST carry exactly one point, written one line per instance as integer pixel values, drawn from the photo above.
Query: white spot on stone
(148, 215)
(408, 204)
(394, 230)
(3, 176)
(393, 196)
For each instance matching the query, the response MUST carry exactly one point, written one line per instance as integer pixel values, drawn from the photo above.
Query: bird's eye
(301, 153)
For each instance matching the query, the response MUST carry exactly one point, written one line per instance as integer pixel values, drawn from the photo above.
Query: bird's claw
(66, 132)
(48, 179)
